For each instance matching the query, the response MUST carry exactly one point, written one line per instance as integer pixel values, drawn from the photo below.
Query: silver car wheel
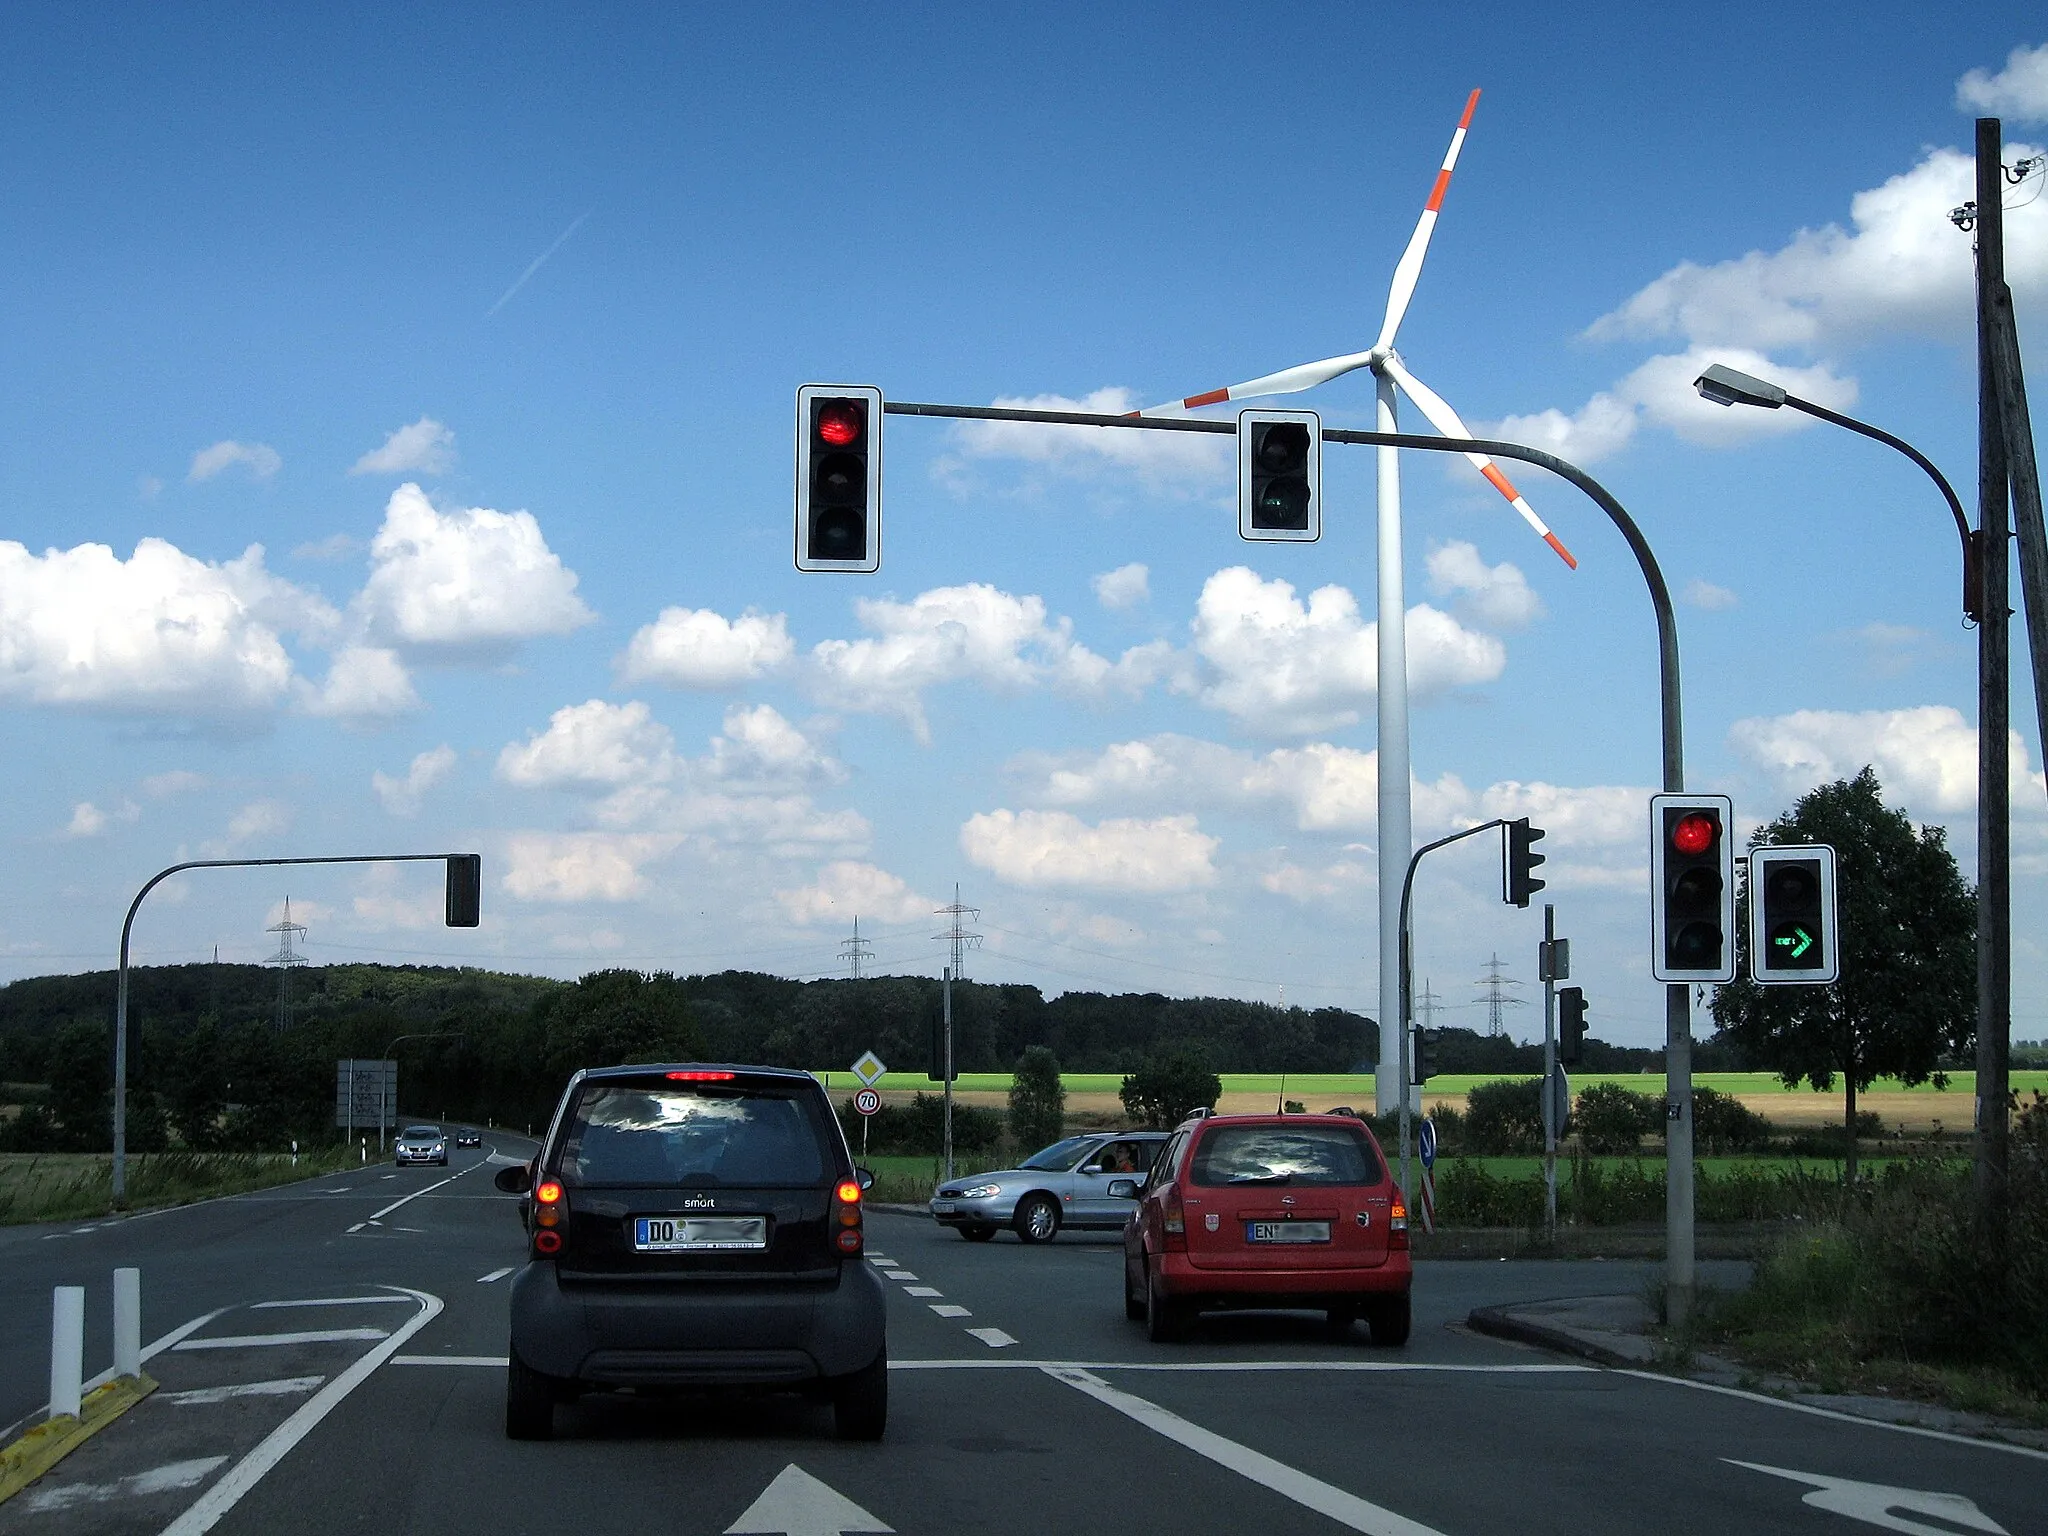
(1038, 1219)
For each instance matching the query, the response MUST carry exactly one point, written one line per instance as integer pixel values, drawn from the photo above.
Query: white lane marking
(1873, 1503)
(390, 1175)
(1347, 1509)
(149, 1352)
(330, 1301)
(284, 1387)
(798, 1504)
(994, 1338)
(394, 1205)
(1843, 1418)
(164, 1479)
(496, 1274)
(947, 1309)
(984, 1363)
(246, 1473)
(899, 1274)
(500, 1361)
(260, 1340)
(922, 1290)
(352, 1231)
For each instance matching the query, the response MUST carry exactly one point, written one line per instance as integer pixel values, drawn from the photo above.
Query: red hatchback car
(1290, 1211)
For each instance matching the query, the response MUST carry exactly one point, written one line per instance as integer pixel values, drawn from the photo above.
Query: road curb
(37, 1449)
(1501, 1323)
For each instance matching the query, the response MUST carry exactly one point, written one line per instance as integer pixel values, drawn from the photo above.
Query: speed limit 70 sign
(867, 1101)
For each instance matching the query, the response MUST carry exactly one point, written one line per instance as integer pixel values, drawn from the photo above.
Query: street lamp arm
(1955, 504)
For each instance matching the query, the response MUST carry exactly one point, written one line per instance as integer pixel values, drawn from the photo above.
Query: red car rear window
(1308, 1154)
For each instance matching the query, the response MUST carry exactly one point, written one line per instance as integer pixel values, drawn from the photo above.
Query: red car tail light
(1397, 1225)
(547, 1215)
(1173, 1220)
(699, 1077)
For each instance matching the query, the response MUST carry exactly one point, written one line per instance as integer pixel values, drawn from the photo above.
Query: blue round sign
(1426, 1140)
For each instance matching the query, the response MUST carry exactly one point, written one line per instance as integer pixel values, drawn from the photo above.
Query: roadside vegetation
(74, 1186)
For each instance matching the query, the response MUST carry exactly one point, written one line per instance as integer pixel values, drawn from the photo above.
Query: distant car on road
(1066, 1185)
(1270, 1211)
(695, 1226)
(421, 1144)
(469, 1139)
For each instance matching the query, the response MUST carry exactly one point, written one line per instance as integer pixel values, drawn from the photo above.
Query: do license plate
(677, 1234)
(1287, 1231)
(943, 1207)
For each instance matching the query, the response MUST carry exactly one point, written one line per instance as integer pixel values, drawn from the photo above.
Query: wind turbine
(1396, 836)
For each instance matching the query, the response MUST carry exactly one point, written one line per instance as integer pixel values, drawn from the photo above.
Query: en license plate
(679, 1234)
(1287, 1231)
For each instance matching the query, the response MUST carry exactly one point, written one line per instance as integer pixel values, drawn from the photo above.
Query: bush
(1160, 1093)
(1505, 1118)
(1038, 1099)
(1722, 1123)
(918, 1128)
(1828, 1140)
(1613, 1120)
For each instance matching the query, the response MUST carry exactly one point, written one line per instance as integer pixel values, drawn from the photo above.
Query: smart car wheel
(529, 1403)
(1388, 1317)
(1038, 1219)
(860, 1402)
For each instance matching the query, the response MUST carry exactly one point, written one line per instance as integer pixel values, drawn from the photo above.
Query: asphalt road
(331, 1361)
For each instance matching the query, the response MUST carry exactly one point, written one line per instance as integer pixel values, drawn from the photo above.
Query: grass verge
(66, 1186)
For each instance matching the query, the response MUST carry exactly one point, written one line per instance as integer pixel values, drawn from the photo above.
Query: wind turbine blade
(1409, 268)
(1287, 381)
(1446, 421)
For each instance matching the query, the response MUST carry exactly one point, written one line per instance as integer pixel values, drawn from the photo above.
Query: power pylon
(1497, 997)
(1426, 1004)
(287, 959)
(856, 951)
(961, 938)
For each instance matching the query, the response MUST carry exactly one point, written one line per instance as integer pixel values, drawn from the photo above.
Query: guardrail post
(67, 1349)
(127, 1322)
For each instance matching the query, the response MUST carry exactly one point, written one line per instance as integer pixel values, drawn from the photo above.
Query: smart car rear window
(1284, 1154)
(670, 1135)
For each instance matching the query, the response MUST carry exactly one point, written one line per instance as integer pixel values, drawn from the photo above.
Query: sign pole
(1549, 969)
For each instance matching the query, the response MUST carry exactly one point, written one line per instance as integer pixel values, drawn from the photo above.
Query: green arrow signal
(1798, 941)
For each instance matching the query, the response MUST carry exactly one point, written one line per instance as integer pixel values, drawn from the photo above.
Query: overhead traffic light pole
(1678, 1169)
(463, 909)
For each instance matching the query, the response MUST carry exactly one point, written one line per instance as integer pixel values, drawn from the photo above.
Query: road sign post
(868, 1104)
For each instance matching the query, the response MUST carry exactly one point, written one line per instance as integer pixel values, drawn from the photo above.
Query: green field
(1962, 1085)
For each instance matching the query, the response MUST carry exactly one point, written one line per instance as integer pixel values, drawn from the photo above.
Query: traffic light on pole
(1522, 860)
(1571, 1025)
(465, 890)
(1794, 932)
(1421, 1057)
(838, 478)
(1280, 476)
(1692, 897)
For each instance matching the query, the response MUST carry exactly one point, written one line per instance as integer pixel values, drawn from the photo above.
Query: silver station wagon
(1069, 1184)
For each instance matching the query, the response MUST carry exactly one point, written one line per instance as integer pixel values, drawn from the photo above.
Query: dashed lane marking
(498, 1360)
(947, 1309)
(283, 1387)
(994, 1338)
(164, 1479)
(496, 1274)
(394, 1205)
(261, 1340)
(922, 1290)
(333, 1301)
(1347, 1509)
(899, 1274)
(352, 1231)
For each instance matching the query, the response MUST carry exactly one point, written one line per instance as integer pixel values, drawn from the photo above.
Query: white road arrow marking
(1873, 1503)
(797, 1504)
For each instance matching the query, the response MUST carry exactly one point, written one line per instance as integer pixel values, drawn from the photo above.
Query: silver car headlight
(981, 1192)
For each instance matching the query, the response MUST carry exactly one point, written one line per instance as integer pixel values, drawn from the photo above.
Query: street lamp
(1984, 602)
(432, 1034)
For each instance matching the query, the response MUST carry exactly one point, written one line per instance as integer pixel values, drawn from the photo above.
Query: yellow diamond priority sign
(869, 1069)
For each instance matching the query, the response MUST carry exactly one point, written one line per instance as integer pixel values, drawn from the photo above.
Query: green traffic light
(1793, 944)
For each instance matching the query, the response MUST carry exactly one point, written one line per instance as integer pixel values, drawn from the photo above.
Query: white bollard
(67, 1349)
(127, 1322)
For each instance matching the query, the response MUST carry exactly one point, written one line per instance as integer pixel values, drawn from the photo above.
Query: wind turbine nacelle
(1280, 476)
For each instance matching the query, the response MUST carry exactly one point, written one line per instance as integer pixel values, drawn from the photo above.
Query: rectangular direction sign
(365, 1093)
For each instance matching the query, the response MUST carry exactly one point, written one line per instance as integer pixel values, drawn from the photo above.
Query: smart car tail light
(547, 1217)
(846, 1212)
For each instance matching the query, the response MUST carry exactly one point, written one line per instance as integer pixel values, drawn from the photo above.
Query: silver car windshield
(1060, 1156)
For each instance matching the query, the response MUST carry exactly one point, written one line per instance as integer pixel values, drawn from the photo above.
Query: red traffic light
(1693, 834)
(839, 422)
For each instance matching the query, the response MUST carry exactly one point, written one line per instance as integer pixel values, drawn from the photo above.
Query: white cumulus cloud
(1185, 461)
(87, 820)
(592, 744)
(1707, 597)
(424, 448)
(259, 459)
(846, 889)
(700, 648)
(1057, 850)
(1495, 595)
(1925, 757)
(160, 632)
(365, 684)
(466, 579)
(257, 819)
(1128, 586)
(2020, 90)
(581, 866)
(402, 796)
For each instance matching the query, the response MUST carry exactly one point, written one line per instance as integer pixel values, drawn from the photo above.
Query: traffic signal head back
(465, 890)
(1280, 476)
(1520, 870)
(1571, 1024)
(838, 477)
(1421, 1057)
(1692, 897)
(1794, 931)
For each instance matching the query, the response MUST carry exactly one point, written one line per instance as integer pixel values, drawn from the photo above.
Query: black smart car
(692, 1227)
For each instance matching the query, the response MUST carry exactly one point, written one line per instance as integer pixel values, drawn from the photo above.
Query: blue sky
(524, 583)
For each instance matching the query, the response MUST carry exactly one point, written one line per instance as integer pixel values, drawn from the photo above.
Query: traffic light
(1794, 937)
(1571, 1025)
(1280, 476)
(465, 889)
(838, 478)
(1522, 861)
(1421, 1057)
(1692, 897)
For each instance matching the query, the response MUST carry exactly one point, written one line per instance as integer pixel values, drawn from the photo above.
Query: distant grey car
(1069, 1184)
(421, 1144)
